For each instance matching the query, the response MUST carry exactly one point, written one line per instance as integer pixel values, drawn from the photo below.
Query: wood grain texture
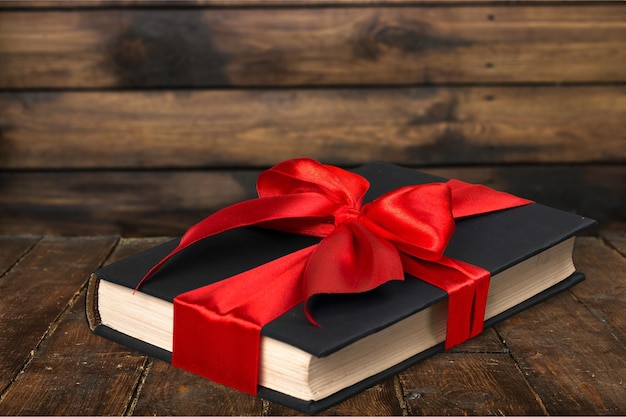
(110, 202)
(558, 357)
(616, 239)
(36, 291)
(12, 248)
(149, 203)
(168, 390)
(34, 4)
(463, 384)
(569, 356)
(604, 293)
(198, 129)
(311, 46)
(381, 399)
(74, 372)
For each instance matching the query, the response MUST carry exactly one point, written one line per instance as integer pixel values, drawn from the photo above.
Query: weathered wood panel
(12, 248)
(256, 3)
(109, 202)
(36, 291)
(616, 239)
(606, 297)
(168, 202)
(569, 356)
(465, 384)
(168, 390)
(75, 373)
(471, 378)
(192, 129)
(555, 358)
(311, 46)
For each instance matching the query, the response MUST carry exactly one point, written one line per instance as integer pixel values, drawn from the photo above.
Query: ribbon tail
(352, 259)
(471, 199)
(467, 287)
(251, 212)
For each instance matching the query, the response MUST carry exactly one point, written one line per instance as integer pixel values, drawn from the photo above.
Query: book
(363, 338)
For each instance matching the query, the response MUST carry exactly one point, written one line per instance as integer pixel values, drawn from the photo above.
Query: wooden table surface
(565, 356)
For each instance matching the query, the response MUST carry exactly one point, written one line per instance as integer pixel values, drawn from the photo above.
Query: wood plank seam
(32, 352)
(19, 258)
(602, 241)
(607, 242)
(145, 371)
(48, 332)
(400, 395)
(520, 369)
(532, 388)
(107, 257)
(78, 296)
(598, 317)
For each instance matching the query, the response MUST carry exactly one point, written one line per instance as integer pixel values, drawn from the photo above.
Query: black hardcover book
(363, 338)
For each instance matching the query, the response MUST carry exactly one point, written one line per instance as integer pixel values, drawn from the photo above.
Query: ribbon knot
(346, 214)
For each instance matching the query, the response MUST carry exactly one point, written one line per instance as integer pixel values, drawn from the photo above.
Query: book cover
(495, 241)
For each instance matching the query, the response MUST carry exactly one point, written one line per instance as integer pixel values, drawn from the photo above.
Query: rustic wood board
(75, 373)
(149, 203)
(169, 390)
(311, 46)
(21, 4)
(471, 378)
(12, 248)
(35, 292)
(112, 202)
(569, 356)
(469, 384)
(560, 357)
(245, 128)
(604, 293)
(616, 239)
(381, 399)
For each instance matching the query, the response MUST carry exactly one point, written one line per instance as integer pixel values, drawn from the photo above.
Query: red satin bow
(217, 327)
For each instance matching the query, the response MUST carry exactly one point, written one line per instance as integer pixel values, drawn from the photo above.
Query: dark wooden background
(140, 118)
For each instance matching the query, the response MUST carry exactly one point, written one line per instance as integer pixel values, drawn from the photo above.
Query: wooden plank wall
(140, 118)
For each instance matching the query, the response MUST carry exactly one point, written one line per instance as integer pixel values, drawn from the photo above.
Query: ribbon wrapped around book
(217, 327)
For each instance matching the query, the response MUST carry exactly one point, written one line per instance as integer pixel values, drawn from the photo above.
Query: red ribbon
(217, 327)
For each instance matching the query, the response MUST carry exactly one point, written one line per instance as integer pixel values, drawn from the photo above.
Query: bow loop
(417, 219)
(303, 175)
(352, 259)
